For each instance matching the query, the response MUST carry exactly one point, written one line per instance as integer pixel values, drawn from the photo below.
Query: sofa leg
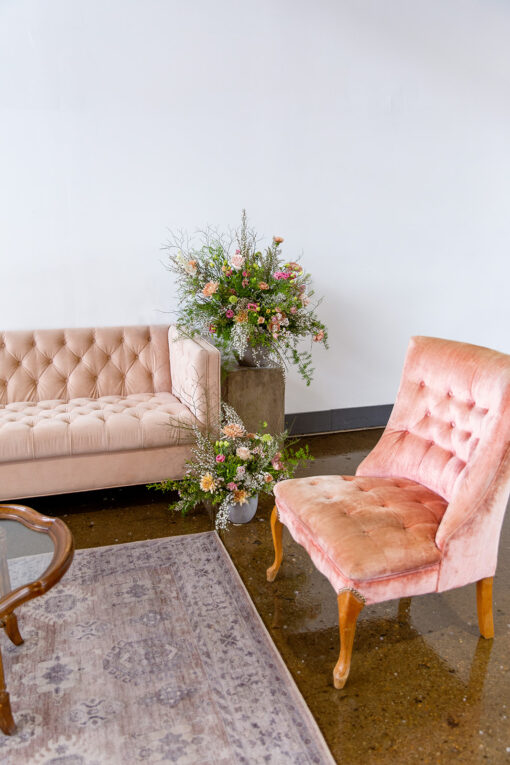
(484, 607)
(10, 624)
(350, 605)
(277, 531)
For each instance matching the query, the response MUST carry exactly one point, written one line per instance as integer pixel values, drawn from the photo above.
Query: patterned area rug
(152, 652)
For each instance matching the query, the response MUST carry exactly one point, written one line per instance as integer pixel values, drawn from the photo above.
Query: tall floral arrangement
(249, 300)
(233, 467)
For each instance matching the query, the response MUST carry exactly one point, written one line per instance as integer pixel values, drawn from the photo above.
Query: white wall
(375, 137)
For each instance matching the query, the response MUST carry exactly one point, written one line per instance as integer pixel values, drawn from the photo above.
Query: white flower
(243, 452)
(241, 470)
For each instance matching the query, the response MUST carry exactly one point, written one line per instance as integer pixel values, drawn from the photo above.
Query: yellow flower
(207, 483)
(241, 497)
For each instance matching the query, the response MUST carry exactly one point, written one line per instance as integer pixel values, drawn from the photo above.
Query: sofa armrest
(195, 372)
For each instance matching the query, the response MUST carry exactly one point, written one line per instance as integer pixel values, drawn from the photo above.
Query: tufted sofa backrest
(76, 363)
(450, 426)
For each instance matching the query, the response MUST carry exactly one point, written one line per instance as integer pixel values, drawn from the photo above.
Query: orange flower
(295, 267)
(278, 239)
(268, 478)
(191, 267)
(260, 320)
(319, 336)
(242, 317)
(233, 430)
(263, 286)
(210, 288)
(241, 496)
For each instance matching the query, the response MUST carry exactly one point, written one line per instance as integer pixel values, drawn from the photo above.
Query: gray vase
(243, 513)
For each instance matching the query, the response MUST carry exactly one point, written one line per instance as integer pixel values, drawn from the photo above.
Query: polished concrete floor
(424, 687)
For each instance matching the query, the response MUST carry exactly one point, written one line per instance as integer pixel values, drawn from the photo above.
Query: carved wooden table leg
(277, 531)
(349, 607)
(11, 628)
(6, 719)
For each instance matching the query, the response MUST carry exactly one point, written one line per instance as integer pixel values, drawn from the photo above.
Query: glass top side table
(23, 532)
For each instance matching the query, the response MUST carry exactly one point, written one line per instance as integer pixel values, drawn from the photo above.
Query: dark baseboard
(334, 420)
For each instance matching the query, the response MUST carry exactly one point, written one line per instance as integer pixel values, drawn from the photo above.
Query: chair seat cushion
(365, 527)
(33, 429)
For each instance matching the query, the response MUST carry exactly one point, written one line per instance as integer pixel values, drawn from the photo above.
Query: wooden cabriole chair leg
(7, 724)
(350, 604)
(484, 607)
(277, 531)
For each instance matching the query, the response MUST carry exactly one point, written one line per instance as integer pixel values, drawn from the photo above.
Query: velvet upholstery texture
(30, 429)
(425, 509)
(89, 408)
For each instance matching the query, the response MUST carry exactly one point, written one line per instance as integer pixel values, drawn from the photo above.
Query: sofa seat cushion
(34, 429)
(364, 527)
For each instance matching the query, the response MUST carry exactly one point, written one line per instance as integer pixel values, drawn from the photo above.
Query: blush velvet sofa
(94, 408)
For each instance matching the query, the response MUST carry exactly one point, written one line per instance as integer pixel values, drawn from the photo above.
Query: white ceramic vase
(243, 513)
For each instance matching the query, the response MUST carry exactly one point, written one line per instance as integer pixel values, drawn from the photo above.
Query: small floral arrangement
(246, 299)
(233, 468)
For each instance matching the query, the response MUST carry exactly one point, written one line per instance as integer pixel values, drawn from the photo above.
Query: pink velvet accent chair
(424, 511)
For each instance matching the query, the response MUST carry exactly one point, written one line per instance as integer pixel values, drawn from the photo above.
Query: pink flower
(245, 273)
(278, 239)
(252, 306)
(319, 336)
(260, 320)
(293, 309)
(232, 486)
(220, 458)
(228, 272)
(241, 470)
(281, 275)
(237, 260)
(238, 252)
(276, 461)
(268, 477)
(229, 314)
(245, 282)
(212, 329)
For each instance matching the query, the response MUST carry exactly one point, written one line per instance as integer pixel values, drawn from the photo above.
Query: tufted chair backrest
(64, 364)
(450, 428)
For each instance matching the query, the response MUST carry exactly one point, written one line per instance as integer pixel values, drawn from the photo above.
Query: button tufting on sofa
(51, 405)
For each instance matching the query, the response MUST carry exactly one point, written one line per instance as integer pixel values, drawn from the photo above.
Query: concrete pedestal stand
(257, 394)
